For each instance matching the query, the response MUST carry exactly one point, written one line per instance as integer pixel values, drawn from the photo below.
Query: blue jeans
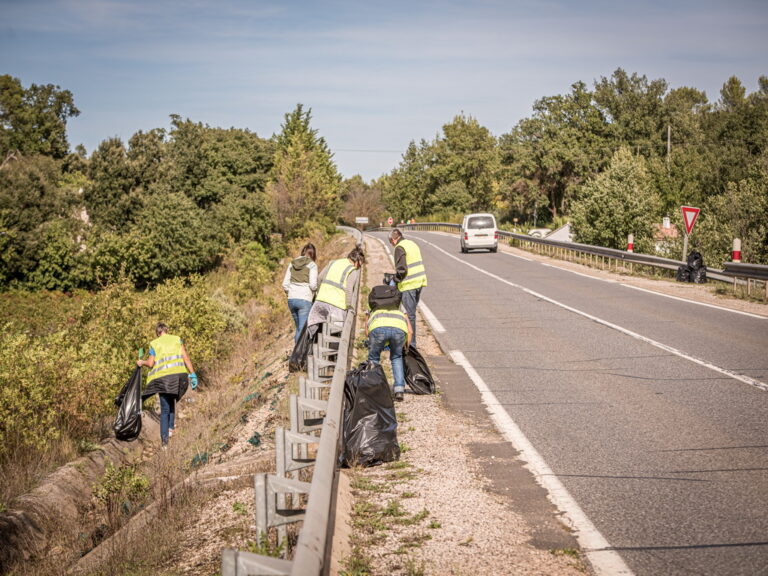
(377, 340)
(410, 300)
(300, 311)
(167, 415)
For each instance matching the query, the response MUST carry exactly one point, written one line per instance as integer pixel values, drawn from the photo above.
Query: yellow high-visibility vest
(168, 358)
(417, 274)
(333, 287)
(391, 318)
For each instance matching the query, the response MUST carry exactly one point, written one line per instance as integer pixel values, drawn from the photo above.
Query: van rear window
(480, 222)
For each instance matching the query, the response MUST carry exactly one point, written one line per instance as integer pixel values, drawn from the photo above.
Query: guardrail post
(268, 513)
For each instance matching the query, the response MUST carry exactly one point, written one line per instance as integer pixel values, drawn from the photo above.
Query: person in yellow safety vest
(410, 274)
(390, 326)
(334, 295)
(170, 372)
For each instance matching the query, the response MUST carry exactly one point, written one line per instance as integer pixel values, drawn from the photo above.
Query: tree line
(613, 159)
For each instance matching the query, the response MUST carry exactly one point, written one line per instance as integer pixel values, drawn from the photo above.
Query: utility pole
(669, 144)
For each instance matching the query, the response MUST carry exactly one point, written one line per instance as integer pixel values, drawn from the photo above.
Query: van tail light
(466, 235)
(496, 235)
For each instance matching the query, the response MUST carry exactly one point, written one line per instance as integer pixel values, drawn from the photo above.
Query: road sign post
(361, 221)
(689, 219)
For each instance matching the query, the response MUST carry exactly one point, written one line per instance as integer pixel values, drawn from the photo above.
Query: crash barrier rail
(282, 498)
(747, 275)
(357, 234)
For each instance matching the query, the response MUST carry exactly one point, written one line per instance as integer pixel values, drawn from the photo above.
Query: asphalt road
(649, 410)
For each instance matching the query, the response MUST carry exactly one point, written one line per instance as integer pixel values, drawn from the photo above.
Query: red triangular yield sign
(689, 217)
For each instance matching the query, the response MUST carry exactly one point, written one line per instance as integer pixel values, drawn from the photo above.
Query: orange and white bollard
(736, 254)
(631, 243)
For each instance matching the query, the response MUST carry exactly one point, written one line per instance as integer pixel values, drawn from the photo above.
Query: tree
(111, 197)
(616, 203)
(408, 187)
(31, 198)
(305, 185)
(361, 199)
(466, 155)
(34, 120)
(563, 144)
(634, 108)
(740, 212)
(681, 174)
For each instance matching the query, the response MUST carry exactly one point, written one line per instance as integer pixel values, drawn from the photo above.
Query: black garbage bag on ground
(699, 275)
(370, 422)
(695, 260)
(127, 425)
(417, 374)
(683, 273)
(298, 360)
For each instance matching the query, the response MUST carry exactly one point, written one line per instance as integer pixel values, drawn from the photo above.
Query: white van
(479, 231)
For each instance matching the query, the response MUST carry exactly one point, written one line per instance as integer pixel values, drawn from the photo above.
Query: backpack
(384, 297)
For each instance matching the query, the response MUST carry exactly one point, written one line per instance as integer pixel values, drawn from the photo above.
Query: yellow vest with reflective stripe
(417, 274)
(333, 287)
(168, 358)
(392, 318)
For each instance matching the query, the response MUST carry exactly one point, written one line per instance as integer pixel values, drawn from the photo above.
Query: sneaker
(398, 396)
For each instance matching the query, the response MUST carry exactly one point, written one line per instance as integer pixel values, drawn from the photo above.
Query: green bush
(120, 490)
(66, 380)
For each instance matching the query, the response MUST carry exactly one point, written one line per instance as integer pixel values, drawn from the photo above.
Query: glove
(193, 381)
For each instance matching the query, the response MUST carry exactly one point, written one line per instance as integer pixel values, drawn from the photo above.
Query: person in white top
(300, 284)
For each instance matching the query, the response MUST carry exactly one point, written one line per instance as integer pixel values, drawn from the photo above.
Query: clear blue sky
(376, 75)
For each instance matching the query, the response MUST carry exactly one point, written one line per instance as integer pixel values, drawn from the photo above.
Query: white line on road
(595, 546)
(740, 377)
(611, 281)
(715, 306)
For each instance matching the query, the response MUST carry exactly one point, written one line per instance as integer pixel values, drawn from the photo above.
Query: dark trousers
(410, 301)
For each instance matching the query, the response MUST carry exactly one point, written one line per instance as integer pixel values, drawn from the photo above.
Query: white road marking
(608, 280)
(517, 256)
(604, 560)
(715, 306)
(431, 319)
(740, 377)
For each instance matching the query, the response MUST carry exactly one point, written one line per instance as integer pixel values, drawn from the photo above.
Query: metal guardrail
(740, 270)
(732, 273)
(327, 369)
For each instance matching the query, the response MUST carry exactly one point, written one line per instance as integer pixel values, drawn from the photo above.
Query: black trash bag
(127, 425)
(370, 422)
(298, 360)
(699, 275)
(683, 273)
(695, 260)
(417, 374)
